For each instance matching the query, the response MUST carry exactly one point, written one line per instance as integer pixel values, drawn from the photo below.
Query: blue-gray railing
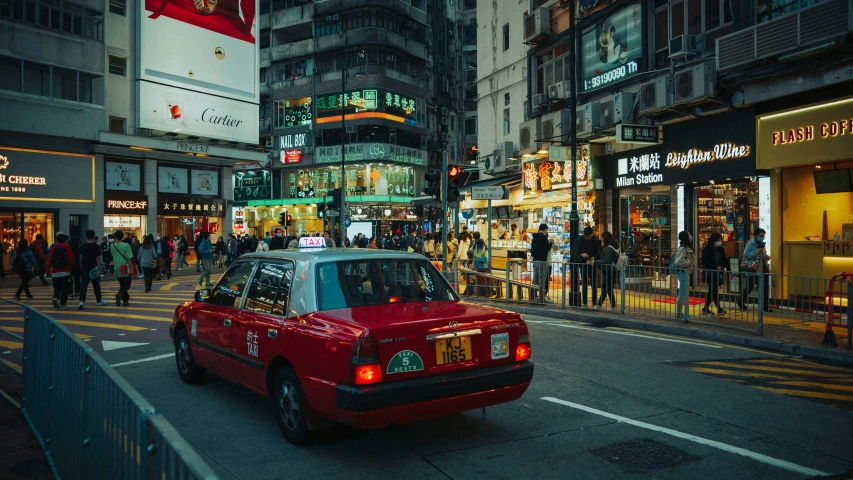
(90, 422)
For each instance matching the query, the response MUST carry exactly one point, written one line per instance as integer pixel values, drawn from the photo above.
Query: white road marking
(627, 334)
(141, 360)
(111, 345)
(7, 352)
(693, 438)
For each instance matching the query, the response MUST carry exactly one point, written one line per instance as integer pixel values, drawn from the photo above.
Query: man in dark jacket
(586, 248)
(540, 247)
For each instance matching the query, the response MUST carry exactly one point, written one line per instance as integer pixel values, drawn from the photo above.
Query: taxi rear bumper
(480, 383)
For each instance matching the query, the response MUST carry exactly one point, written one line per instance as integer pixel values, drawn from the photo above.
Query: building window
(57, 15)
(37, 79)
(693, 17)
(506, 98)
(118, 65)
(471, 126)
(119, 7)
(506, 121)
(10, 74)
(506, 37)
(46, 81)
(117, 124)
(64, 84)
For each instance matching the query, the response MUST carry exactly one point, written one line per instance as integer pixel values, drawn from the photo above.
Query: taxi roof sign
(312, 242)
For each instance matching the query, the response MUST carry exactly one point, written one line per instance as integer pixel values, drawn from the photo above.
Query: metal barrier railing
(90, 422)
(654, 291)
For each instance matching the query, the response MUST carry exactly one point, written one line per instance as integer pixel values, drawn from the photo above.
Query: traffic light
(433, 188)
(453, 174)
(321, 210)
(282, 219)
(333, 199)
(288, 221)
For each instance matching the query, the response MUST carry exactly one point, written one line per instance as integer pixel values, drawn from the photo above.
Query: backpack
(59, 257)
(158, 247)
(623, 259)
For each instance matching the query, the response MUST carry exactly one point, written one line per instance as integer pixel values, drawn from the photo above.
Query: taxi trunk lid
(418, 339)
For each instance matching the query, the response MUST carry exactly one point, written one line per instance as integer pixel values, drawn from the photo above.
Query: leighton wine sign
(722, 151)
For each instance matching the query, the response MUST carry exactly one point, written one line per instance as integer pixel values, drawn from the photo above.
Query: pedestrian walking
(195, 250)
(682, 262)
(60, 264)
(24, 263)
(262, 247)
(147, 259)
(756, 268)
(205, 251)
(90, 269)
(106, 256)
(74, 243)
(714, 267)
(480, 256)
(585, 248)
(540, 248)
(164, 260)
(178, 254)
(185, 252)
(462, 250)
(123, 268)
(40, 251)
(219, 252)
(607, 263)
(3, 247)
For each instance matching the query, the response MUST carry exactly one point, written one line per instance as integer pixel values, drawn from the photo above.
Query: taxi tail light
(365, 362)
(522, 350)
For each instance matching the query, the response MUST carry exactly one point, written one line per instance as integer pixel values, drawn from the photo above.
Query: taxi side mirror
(202, 295)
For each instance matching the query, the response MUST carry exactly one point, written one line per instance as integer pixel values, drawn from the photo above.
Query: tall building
(382, 80)
(124, 117)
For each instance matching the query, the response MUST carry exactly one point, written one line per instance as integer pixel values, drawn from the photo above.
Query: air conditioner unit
(444, 136)
(616, 108)
(537, 25)
(500, 157)
(681, 45)
(444, 111)
(559, 90)
(694, 84)
(655, 95)
(587, 117)
(539, 100)
(444, 121)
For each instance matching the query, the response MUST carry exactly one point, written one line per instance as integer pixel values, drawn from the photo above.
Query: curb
(836, 356)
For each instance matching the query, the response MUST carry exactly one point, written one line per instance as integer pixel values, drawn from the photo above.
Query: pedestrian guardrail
(90, 422)
(744, 297)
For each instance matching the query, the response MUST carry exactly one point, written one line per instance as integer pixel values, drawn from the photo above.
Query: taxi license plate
(453, 350)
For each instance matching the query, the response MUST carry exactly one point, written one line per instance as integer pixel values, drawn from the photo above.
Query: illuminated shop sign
(296, 111)
(721, 151)
(291, 156)
(367, 103)
(555, 173)
(175, 205)
(612, 50)
(366, 179)
(639, 167)
(293, 140)
(43, 176)
(256, 185)
(370, 151)
(816, 134)
(125, 203)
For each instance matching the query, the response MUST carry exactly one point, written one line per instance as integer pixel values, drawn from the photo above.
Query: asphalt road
(604, 403)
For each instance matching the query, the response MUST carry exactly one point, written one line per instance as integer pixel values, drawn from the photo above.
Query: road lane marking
(628, 334)
(784, 464)
(10, 344)
(741, 367)
(113, 308)
(806, 365)
(82, 323)
(169, 286)
(149, 359)
(726, 373)
(119, 315)
(825, 386)
(21, 330)
(806, 393)
(14, 366)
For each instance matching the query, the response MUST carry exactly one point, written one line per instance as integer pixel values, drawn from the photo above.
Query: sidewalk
(780, 334)
(21, 456)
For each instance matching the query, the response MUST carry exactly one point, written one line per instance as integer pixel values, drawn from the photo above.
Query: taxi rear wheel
(290, 407)
(187, 368)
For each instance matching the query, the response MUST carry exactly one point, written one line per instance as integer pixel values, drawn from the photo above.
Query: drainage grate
(643, 455)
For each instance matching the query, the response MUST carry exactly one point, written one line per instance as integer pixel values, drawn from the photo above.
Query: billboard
(612, 49)
(368, 103)
(198, 68)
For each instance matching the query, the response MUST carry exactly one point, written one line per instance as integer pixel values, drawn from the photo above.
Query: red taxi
(367, 338)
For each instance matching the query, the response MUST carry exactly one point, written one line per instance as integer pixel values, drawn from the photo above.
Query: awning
(503, 181)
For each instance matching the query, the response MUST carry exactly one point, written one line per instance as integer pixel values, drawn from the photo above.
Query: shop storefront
(643, 205)
(809, 152)
(125, 211)
(713, 161)
(39, 188)
(189, 201)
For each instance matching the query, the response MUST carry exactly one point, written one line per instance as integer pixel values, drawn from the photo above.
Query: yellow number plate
(453, 350)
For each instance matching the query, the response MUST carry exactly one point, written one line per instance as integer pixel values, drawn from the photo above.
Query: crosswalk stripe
(762, 368)
(721, 372)
(12, 365)
(113, 307)
(808, 394)
(806, 365)
(825, 386)
(102, 314)
(8, 344)
(169, 286)
(21, 330)
(82, 323)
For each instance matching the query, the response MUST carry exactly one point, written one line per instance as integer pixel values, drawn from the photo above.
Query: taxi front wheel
(187, 368)
(290, 406)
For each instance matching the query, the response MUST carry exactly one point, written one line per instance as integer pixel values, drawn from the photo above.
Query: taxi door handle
(227, 322)
(272, 333)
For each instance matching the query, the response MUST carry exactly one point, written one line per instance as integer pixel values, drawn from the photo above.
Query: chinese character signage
(640, 134)
(372, 179)
(186, 206)
(256, 185)
(612, 50)
(370, 152)
(634, 168)
(367, 103)
(291, 156)
(555, 173)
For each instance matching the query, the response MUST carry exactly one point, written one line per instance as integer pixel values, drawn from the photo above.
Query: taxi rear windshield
(378, 282)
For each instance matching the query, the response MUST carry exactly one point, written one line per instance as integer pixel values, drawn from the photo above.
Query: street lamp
(344, 74)
(574, 219)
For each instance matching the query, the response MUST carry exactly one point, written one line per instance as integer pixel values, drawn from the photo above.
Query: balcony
(369, 36)
(285, 51)
(331, 7)
(822, 24)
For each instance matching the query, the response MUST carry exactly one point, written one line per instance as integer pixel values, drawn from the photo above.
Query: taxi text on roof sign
(312, 242)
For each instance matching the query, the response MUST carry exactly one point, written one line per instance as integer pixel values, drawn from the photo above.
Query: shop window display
(645, 228)
(730, 210)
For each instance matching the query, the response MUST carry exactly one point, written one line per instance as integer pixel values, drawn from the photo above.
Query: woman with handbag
(714, 267)
(755, 268)
(147, 260)
(123, 265)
